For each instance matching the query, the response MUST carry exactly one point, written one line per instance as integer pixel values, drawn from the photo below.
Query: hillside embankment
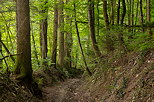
(128, 78)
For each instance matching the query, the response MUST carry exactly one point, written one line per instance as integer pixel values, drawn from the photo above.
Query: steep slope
(130, 78)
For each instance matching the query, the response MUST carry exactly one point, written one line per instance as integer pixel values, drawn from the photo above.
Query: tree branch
(9, 56)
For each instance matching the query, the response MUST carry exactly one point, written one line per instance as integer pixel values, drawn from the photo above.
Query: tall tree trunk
(34, 46)
(55, 30)
(132, 14)
(137, 9)
(118, 12)
(141, 14)
(1, 62)
(61, 34)
(68, 39)
(23, 62)
(98, 20)
(124, 11)
(43, 30)
(92, 28)
(112, 11)
(106, 18)
(120, 35)
(79, 41)
(68, 44)
(149, 15)
(109, 42)
(68, 48)
(129, 12)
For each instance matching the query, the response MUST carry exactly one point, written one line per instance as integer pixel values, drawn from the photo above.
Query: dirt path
(64, 92)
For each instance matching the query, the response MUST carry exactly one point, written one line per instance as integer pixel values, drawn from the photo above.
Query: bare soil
(67, 91)
(132, 80)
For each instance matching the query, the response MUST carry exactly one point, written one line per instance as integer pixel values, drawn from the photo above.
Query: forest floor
(129, 79)
(67, 91)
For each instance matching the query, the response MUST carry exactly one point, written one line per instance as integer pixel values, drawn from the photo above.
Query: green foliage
(142, 41)
(134, 38)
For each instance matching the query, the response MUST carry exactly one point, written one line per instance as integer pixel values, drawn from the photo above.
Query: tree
(61, 34)
(1, 62)
(124, 11)
(118, 12)
(120, 35)
(112, 11)
(109, 43)
(105, 14)
(54, 42)
(79, 41)
(148, 13)
(68, 38)
(92, 28)
(141, 14)
(43, 30)
(23, 61)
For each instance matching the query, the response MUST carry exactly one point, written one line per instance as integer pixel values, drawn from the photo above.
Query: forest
(76, 50)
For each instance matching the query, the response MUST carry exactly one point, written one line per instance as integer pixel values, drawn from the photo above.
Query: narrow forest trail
(67, 91)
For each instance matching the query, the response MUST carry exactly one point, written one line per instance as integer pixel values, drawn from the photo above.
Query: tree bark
(132, 20)
(141, 14)
(43, 30)
(61, 34)
(34, 46)
(129, 12)
(112, 11)
(137, 9)
(109, 42)
(106, 18)
(68, 39)
(1, 62)
(118, 12)
(55, 30)
(92, 28)
(98, 19)
(23, 62)
(79, 41)
(124, 11)
(149, 16)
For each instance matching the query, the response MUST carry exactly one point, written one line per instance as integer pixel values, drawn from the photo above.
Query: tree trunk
(92, 28)
(68, 41)
(43, 31)
(132, 14)
(149, 15)
(79, 41)
(124, 11)
(112, 11)
(129, 11)
(68, 48)
(137, 9)
(98, 20)
(1, 62)
(23, 62)
(106, 18)
(54, 42)
(118, 12)
(120, 35)
(61, 34)
(141, 14)
(34, 47)
(109, 42)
